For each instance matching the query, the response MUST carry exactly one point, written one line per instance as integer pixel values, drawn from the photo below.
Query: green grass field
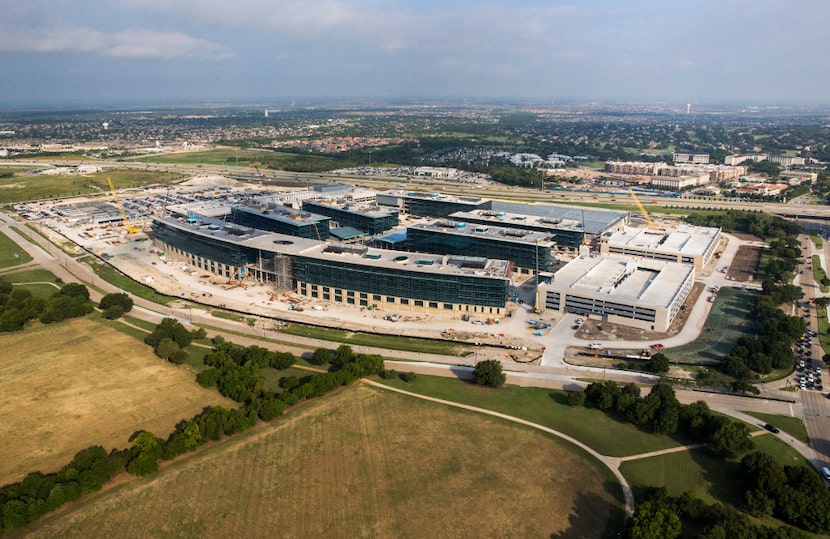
(221, 156)
(115, 277)
(791, 425)
(728, 320)
(819, 274)
(390, 342)
(31, 276)
(697, 471)
(546, 407)
(11, 254)
(20, 188)
(39, 290)
(816, 239)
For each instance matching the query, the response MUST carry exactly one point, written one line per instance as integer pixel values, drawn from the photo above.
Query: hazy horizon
(760, 52)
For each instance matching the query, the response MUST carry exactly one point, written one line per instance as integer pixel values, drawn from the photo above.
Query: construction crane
(651, 224)
(131, 229)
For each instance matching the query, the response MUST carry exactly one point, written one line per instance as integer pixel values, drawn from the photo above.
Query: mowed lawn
(11, 254)
(70, 385)
(362, 463)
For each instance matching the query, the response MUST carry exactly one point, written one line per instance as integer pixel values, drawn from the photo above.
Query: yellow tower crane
(131, 229)
(651, 224)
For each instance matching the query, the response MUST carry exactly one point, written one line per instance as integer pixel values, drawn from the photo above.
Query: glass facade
(523, 255)
(264, 220)
(371, 224)
(421, 286)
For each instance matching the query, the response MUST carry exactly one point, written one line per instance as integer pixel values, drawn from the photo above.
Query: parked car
(772, 428)
(657, 346)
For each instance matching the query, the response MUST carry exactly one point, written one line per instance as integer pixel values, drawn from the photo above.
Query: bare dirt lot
(74, 384)
(745, 264)
(359, 463)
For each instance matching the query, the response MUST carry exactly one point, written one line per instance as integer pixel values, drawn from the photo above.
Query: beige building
(620, 289)
(685, 244)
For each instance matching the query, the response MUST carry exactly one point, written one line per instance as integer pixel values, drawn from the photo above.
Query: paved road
(565, 376)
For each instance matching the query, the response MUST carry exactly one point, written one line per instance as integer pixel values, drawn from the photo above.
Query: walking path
(611, 463)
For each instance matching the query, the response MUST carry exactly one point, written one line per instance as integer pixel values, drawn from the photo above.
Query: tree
(728, 438)
(321, 356)
(576, 398)
(653, 521)
(659, 363)
(489, 373)
(146, 452)
(166, 348)
(119, 299)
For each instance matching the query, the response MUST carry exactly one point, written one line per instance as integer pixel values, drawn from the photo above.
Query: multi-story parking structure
(276, 218)
(684, 243)
(528, 250)
(625, 290)
(364, 217)
(347, 274)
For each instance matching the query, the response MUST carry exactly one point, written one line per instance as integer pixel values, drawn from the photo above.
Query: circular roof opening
(401, 258)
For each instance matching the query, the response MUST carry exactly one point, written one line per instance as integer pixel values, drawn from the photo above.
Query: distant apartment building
(694, 158)
(797, 177)
(783, 160)
(679, 182)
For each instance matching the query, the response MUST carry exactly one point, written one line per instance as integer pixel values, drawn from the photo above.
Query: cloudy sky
(166, 51)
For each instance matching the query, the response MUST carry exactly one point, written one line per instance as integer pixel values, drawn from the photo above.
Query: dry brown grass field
(67, 386)
(360, 462)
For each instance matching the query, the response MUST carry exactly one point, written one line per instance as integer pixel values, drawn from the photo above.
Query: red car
(656, 346)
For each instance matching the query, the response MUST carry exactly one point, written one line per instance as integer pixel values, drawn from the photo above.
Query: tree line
(234, 371)
(794, 494)
(18, 306)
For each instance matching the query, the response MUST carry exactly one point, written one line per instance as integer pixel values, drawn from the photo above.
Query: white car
(595, 346)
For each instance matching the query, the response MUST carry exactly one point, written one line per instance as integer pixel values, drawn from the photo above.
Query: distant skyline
(56, 52)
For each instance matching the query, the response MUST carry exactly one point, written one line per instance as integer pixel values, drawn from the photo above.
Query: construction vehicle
(131, 228)
(651, 224)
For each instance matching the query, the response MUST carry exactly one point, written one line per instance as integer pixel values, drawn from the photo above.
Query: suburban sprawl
(378, 319)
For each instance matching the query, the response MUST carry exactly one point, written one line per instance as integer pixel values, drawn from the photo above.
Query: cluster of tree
(115, 305)
(37, 494)
(392, 374)
(794, 494)
(489, 373)
(660, 516)
(24, 502)
(661, 413)
(763, 225)
(170, 338)
(18, 306)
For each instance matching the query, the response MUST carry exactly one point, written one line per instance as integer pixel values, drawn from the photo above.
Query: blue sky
(165, 51)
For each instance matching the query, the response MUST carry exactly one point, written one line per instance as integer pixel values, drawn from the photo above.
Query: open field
(78, 383)
(362, 463)
(31, 276)
(546, 407)
(11, 254)
(20, 188)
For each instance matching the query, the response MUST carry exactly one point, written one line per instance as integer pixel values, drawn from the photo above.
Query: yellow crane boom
(131, 229)
(651, 224)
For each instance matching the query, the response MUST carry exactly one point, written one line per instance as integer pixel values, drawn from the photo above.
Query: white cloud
(129, 43)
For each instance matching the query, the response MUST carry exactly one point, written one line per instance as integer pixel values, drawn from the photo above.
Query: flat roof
(596, 220)
(246, 236)
(515, 235)
(213, 208)
(621, 278)
(408, 261)
(368, 210)
(283, 214)
(682, 239)
(506, 219)
(438, 197)
(352, 254)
